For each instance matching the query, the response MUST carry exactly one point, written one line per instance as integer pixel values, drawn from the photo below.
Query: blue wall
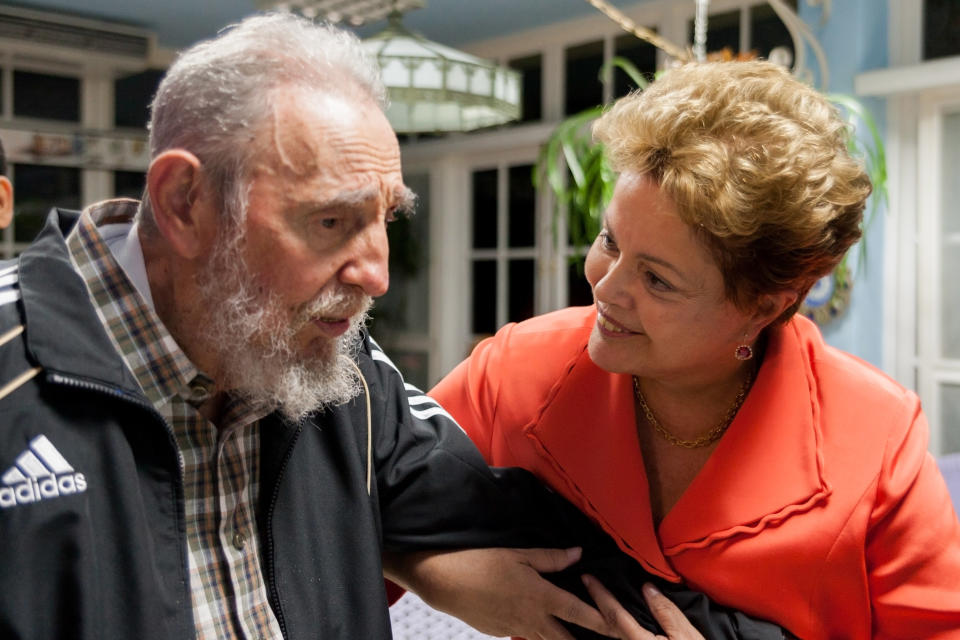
(855, 40)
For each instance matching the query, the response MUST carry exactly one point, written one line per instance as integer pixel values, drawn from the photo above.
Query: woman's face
(662, 311)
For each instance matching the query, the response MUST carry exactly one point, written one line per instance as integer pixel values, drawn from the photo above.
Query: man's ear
(6, 202)
(183, 216)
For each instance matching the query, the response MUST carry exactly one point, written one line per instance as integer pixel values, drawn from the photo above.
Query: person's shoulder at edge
(844, 369)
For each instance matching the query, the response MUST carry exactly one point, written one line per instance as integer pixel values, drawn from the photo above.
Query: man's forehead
(306, 133)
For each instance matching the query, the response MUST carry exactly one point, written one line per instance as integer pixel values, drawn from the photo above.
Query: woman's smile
(611, 328)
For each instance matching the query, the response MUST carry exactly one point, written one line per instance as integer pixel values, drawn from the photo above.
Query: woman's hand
(671, 619)
(499, 592)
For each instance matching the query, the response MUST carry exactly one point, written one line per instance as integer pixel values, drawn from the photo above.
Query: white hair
(216, 95)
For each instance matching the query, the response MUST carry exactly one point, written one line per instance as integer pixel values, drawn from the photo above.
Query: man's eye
(329, 223)
(391, 215)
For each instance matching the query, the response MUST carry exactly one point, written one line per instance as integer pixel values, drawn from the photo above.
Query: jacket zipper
(126, 396)
(271, 565)
(121, 394)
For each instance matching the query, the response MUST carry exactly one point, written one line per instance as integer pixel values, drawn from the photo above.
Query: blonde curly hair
(757, 165)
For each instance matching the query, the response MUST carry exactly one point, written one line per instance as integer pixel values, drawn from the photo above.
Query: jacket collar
(769, 464)
(767, 467)
(64, 334)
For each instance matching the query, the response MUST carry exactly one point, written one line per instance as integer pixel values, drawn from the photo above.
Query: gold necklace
(710, 436)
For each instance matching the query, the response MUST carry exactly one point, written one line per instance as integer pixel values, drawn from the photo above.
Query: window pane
(39, 95)
(583, 89)
(723, 32)
(950, 418)
(580, 227)
(950, 165)
(485, 209)
(531, 70)
(38, 188)
(522, 208)
(950, 233)
(132, 96)
(128, 184)
(941, 28)
(406, 305)
(642, 54)
(521, 274)
(578, 289)
(767, 31)
(484, 297)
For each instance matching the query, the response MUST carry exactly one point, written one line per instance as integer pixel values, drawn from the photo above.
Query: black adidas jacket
(92, 541)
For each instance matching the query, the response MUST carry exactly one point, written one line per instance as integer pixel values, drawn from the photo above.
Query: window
(128, 184)
(723, 31)
(941, 28)
(46, 96)
(921, 310)
(582, 87)
(940, 332)
(38, 189)
(765, 30)
(400, 319)
(642, 54)
(58, 124)
(132, 95)
(531, 71)
(579, 292)
(503, 257)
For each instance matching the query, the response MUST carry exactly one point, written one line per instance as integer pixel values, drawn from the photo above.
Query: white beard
(254, 339)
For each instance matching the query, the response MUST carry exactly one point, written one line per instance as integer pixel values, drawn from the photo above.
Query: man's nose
(367, 265)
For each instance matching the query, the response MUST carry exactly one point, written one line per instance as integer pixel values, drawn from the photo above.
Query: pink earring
(743, 351)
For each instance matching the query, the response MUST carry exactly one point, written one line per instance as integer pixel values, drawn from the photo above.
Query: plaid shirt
(220, 466)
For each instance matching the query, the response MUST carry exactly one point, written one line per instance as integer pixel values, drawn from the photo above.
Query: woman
(689, 412)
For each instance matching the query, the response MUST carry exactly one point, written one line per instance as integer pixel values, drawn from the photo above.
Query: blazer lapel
(588, 435)
(769, 464)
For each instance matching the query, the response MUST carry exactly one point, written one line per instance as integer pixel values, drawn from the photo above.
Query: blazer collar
(769, 464)
(767, 467)
(588, 434)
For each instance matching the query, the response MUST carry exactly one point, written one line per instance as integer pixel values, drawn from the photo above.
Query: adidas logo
(40, 473)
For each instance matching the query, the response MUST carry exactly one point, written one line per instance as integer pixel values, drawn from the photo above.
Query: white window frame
(918, 93)
(96, 73)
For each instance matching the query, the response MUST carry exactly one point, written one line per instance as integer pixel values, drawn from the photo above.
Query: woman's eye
(656, 282)
(606, 241)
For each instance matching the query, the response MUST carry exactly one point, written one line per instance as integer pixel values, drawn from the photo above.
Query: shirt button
(239, 540)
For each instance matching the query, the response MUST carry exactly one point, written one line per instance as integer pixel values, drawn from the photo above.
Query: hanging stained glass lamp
(435, 88)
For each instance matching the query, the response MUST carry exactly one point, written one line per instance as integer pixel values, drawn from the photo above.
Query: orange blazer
(820, 509)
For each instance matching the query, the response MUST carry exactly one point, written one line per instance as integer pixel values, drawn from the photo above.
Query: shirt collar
(123, 240)
(122, 300)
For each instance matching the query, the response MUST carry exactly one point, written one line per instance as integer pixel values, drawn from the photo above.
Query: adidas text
(36, 490)
(39, 473)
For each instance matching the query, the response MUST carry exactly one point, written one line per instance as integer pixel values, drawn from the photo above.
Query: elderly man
(184, 450)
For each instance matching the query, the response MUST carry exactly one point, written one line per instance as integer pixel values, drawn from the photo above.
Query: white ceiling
(179, 23)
